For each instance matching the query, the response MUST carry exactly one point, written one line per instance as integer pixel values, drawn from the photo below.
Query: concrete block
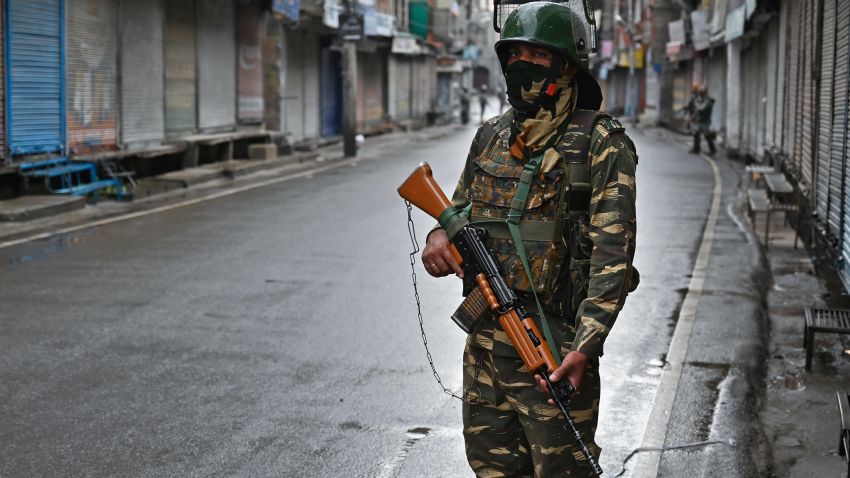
(262, 151)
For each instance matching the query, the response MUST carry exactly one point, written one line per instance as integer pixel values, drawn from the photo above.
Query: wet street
(274, 332)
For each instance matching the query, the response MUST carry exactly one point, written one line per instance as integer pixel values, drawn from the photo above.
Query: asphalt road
(274, 332)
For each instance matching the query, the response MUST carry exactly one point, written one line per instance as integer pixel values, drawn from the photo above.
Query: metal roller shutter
(791, 95)
(180, 67)
(841, 72)
(92, 75)
(807, 114)
(250, 77)
(402, 85)
(824, 142)
(142, 117)
(331, 95)
(216, 65)
(371, 77)
(35, 95)
(841, 132)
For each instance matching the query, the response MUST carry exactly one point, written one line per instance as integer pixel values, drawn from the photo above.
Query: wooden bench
(758, 170)
(835, 321)
(844, 439)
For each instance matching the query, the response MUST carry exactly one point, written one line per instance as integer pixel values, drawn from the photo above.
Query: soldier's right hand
(437, 256)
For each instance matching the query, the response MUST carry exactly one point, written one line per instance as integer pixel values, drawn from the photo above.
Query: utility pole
(349, 98)
(351, 31)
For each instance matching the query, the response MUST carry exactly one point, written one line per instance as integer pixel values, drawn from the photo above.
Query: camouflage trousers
(509, 428)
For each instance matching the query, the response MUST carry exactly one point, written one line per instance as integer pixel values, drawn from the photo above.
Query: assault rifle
(469, 251)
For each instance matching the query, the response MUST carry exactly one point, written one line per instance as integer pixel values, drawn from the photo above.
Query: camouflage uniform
(509, 428)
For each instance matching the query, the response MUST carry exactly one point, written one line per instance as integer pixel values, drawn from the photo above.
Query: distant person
(699, 111)
(482, 99)
(502, 99)
(464, 106)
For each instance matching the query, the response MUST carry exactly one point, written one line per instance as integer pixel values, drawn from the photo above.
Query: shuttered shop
(838, 131)
(250, 64)
(92, 75)
(371, 81)
(402, 84)
(180, 67)
(300, 97)
(807, 113)
(791, 93)
(36, 109)
(3, 155)
(142, 118)
(216, 65)
(825, 105)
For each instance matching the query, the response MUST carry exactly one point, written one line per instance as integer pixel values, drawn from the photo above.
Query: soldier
(579, 241)
(699, 110)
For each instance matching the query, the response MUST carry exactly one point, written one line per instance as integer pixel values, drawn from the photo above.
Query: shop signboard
(289, 8)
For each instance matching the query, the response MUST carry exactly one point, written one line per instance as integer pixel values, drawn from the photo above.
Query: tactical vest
(555, 222)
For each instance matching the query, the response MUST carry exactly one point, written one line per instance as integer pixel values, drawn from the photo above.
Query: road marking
(659, 418)
(187, 202)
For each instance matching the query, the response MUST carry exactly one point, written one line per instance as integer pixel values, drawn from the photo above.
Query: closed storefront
(34, 65)
(180, 67)
(791, 93)
(92, 75)
(300, 94)
(825, 118)
(804, 156)
(250, 62)
(142, 118)
(423, 87)
(401, 86)
(331, 94)
(840, 131)
(3, 156)
(371, 89)
(216, 65)
(716, 83)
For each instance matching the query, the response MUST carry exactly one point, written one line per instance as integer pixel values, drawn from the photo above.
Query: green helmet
(558, 28)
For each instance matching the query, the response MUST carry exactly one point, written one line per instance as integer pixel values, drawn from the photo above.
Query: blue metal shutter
(35, 91)
(3, 155)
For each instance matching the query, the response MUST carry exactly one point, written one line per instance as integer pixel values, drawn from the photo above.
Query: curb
(215, 184)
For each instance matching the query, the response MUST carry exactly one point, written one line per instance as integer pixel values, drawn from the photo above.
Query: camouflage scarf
(535, 132)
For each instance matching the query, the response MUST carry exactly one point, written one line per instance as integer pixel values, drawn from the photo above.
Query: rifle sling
(513, 221)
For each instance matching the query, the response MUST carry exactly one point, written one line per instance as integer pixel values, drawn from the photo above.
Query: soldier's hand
(572, 367)
(437, 255)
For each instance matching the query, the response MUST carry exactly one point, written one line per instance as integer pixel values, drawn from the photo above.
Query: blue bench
(62, 176)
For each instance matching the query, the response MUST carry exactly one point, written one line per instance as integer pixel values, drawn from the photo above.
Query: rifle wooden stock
(517, 329)
(422, 191)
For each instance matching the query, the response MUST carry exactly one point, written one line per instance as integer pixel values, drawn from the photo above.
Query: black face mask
(521, 75)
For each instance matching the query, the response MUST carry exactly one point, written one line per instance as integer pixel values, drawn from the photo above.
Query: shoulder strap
(577, 158)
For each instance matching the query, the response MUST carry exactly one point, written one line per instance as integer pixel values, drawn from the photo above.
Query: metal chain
(411, 229)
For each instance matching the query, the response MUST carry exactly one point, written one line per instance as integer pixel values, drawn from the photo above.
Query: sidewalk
(49, 215)
(783, 420)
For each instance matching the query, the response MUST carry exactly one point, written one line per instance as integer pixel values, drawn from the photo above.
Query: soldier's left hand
(572, 367)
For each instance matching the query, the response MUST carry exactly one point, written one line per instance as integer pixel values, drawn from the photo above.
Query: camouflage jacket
(487, 183)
